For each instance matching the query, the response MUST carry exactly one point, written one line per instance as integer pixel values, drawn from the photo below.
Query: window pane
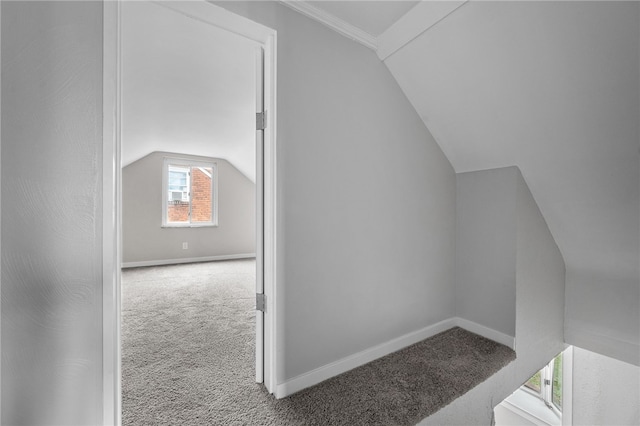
(178, 196)
(201, 194)
(534, 382)
(178, 179)
(557, 382)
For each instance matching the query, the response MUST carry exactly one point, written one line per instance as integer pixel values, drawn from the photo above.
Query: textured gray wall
(367, 199)
(143, 237)
(51, 204)
(486, 248)
(605, 391)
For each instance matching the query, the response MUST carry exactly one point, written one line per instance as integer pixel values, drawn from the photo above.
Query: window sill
(189, 225)
(532, 408)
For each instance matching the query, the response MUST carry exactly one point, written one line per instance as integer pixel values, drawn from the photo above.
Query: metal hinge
(261, 120)
(260, 302)
(547, 382)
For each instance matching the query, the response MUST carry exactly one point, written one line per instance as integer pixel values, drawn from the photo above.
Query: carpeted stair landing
(188, 354)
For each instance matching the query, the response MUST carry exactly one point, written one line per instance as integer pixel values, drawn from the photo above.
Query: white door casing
(265, 38)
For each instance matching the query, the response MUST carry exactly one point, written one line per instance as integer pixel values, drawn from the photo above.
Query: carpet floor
(188, 359)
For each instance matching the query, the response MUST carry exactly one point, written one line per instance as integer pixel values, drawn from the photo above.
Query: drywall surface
(540, 286)
(144, 238)
(602, 313)
(366, 199)
(605, 390)
(51, 221)
(486, 248)
(539, 315)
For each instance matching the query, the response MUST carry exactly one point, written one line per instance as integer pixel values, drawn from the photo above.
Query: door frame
(112, 188)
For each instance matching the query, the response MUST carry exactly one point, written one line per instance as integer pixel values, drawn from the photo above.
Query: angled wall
(51, 221)
(145, 241)
(367, 199)
(486, 227)
(539, 303)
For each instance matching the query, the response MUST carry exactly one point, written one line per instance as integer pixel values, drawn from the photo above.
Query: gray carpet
(188, 355)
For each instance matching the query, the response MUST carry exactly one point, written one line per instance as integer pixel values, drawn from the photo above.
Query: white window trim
(177, 161)
(532, 404)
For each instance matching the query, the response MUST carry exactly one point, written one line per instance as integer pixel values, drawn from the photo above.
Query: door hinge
(547, 382)
(261, 120)
(260, 302)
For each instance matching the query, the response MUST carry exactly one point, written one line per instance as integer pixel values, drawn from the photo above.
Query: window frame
(190, 164)
(546, 386)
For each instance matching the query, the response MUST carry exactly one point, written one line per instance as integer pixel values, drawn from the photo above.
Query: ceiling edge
(416, 21)
(333, 22)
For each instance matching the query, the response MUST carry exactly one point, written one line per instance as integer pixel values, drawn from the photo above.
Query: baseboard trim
(186, 260)
(325, 372)
(489, 333)
(343, 365)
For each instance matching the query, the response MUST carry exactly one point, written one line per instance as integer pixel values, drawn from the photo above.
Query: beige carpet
(188, 355)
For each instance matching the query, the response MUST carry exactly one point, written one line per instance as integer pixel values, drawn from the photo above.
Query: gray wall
(539, 302)
(602, 313)
(144, 238)
(366, 206)
(51, 203)
(486, 248)
(540, 286)
(605, 391)
(366, 199)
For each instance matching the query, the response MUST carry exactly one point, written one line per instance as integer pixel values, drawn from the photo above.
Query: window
(546, 384)
(189, 193)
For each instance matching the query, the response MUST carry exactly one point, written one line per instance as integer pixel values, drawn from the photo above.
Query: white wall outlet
(185, 246)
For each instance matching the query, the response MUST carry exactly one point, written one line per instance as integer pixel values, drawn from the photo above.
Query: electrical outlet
(185, 246)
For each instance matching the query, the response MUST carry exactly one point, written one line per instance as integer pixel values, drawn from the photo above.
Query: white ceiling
(188, 88)
(552, 87)
(373, 17)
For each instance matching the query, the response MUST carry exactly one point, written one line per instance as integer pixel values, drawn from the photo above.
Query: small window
(557, 383)
(534, 382)
(546, 384)
(189, 193)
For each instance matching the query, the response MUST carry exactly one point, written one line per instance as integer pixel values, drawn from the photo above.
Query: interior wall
(145, 240)
(366, 199)
(540, 285)
(486, 248)
(602, 313)
(540, 277)
(606, 391)
(51, 213)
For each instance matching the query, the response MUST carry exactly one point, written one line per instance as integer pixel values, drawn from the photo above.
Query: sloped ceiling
(188, 88)
(553, 88)
(373, 17)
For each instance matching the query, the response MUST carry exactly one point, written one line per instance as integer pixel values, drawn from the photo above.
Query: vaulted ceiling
(551, 87)
(176, 97)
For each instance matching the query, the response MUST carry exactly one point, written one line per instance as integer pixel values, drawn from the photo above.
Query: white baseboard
(343, 365)
(186, 260)
(325, 372)
(489, 333)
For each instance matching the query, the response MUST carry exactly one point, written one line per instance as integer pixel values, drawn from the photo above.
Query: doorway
(263, 39)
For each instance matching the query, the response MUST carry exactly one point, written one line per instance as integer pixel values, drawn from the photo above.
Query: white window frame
(546, 386)
(191, 164)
